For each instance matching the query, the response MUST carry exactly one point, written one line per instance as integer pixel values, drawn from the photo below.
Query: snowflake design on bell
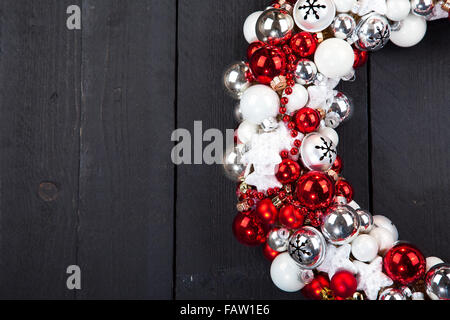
(381, 37)
(300, 248)
(311, 8)
(327, 149)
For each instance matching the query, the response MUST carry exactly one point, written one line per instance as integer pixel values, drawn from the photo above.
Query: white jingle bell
(318, 152)
(384, 238)
(298, 99)
(411, 32)
(330, 134)
(286, 274)
(432, 261)
(334, 58)
(250, 27)
(383, 222)
(246, 131)
(397, 10)
(344, 5)
(314, 15)
(258, 103)
(365, 248)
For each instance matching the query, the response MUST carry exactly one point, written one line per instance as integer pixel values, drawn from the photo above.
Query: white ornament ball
(344, 5)
(432, 261)
(383, 222)
(298, 99)
(285, 273)
(334, 58)
(411, 32)
(246, 131)
(384, 239)
(365, 248)
(397, 10)
(250, 27)
(330, 134)
(259, 102)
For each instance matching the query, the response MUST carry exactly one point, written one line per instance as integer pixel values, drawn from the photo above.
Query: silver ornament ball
(236, 80)
(305, 72)
(392, 294)
(366, 221)
(238, 113)
(437, 282)
(318, 152)
(232, 163)
(341, 224)
(372, 32)
(278, 239)
(342, 106)
(343, 26)
(314, 15)
(307, 247)
(274, 26)
(422, 8)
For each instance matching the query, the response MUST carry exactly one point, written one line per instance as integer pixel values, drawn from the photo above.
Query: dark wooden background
(85, 170)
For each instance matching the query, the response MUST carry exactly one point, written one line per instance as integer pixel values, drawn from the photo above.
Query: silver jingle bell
(314, 15)
(305, 72)
(366, 221)
(232, 164)
(422, 8)
(307, 247)
(373, 32)
(318, 152)
(236, 80)
(437, 282)
(392, 294)
(343, 26)
(342, 106)
(278, 239)
(341, 224)
(332, 120)
(274, 26)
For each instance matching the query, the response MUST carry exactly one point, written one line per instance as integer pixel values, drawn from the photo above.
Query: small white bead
(384, 239)
(383, 222)
(397, 9)
(250, 27)
(298, 99)
(411, 32)
(432, 261)
(365, 248)
(285, 273)
(246, 131)
(330, 134)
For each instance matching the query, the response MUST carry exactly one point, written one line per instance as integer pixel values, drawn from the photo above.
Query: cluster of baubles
(292, 198)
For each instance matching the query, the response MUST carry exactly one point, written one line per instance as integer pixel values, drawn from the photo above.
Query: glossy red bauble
(292, 217)
(266, 211)
(343, 284)
(315, 190)
(304, 44)
(344, 189)
(307, 120)
(288, 171)
(360, 58)
(269, 253)
(253, 47)
(404, 264)
(249, 230)
(314, 289)
(267, 63)
(337, 165)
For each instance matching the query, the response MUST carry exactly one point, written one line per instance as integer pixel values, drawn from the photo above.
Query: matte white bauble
(298, 99)
(285, 273)
(246, 131)
(383, 222)
(365, 248)
(397, 9)
(250, 27)
(334, 58)
(384, 238)
(258, 103)
(330, 134)
(412, 31)
(432, 261)
(344, 5)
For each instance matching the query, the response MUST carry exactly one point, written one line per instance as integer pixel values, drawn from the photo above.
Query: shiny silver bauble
(278, 239)
(392, 294)
(340, 110)
(274, 26)
(422, 8)
(437, 282)
(372, 32)
(341, 224)
(238, 113)
(232, 163)
(236, 79)
(305, 72)
(318, 152)
(366, 221)
(307, 247)
(314, 15)
(343, 26)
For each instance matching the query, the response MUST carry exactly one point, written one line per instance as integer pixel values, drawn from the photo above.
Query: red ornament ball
(266, 211)
(314, 289)
(315, 190)
(253, 47)
(249, 230)
(307, 120)
(344, 189)
(343, 284)
(304, 44)
(404, 264)
(288, 171)
(269, 253)
(337, 165)
(360, 58)
(267, 63)
(292, 217)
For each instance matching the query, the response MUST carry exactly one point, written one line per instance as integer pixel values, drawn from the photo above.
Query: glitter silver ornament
(278, 239)
(305, 72)
(318, 152)
(274, 26)
(392, 294)
(307, 247)
(341, 106)
(372, 32)
(437, 282)
(314, 15)
(422, 8)
(341, 224)
(343, 26)
(366, 221)
(232, 164)
(236, 80)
